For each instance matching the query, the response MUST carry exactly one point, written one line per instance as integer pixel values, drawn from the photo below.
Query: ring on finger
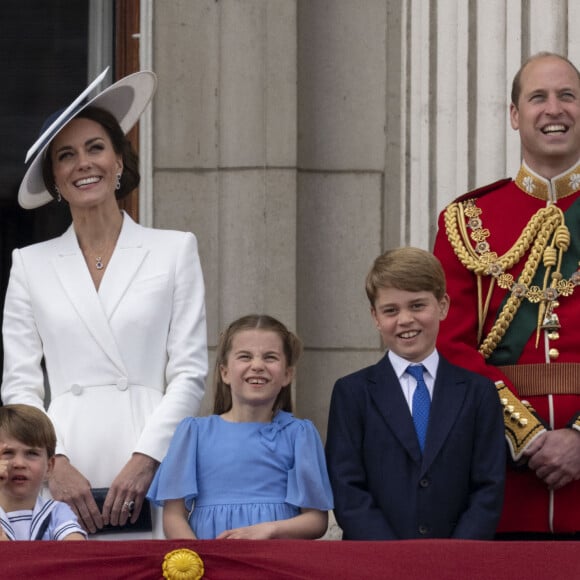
(128, 505)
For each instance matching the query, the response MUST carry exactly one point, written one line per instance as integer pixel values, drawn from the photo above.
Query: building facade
(298, 139)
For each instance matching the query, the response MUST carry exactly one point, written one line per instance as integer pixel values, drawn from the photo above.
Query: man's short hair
(517, 82)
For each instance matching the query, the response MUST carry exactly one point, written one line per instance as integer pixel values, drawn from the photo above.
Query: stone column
(225, 148)
(341, 159)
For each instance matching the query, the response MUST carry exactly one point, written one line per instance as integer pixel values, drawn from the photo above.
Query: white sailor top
(49, 520)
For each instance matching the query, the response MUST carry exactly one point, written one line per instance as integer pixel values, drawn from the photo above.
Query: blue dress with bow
(238, 474)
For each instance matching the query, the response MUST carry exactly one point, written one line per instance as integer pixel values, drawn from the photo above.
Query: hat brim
(125, 100)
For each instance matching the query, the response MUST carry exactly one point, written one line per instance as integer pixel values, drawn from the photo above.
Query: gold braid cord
(520, 422)
(544, 232)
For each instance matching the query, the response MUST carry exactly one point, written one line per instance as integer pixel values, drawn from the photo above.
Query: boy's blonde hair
(292, 350)
(28, 425)
(406, 268)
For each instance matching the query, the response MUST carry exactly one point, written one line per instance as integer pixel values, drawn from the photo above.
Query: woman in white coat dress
(115, 310)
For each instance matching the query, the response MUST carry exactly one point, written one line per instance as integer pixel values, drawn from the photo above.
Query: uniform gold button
(553, 335)
(553, 353)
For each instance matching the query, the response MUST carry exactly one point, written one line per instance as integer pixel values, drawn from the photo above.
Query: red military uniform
(511, 258)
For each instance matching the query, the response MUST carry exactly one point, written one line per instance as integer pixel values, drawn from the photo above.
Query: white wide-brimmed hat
(125, 100)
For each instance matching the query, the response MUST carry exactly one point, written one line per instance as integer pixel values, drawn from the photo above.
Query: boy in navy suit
(415, 445)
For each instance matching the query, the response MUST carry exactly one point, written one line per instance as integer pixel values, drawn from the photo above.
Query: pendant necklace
(99, 265)
(101, 257)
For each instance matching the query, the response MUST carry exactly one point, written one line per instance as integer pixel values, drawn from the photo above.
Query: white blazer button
(122, 384)
(76, 389)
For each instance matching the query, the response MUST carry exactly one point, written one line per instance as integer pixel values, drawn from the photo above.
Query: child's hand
(5, 465)
(309, 524)
(4, 475)
(264, 531)
(4, 469)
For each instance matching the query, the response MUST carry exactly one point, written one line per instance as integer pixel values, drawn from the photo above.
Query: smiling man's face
(548, 115)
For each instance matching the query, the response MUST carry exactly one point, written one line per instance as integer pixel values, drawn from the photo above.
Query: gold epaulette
(576, 424)
(521, 424)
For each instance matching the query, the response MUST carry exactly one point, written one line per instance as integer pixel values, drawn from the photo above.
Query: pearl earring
(118, 184)
(58, 196)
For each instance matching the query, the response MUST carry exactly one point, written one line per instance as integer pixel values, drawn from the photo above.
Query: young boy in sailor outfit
(27, 446)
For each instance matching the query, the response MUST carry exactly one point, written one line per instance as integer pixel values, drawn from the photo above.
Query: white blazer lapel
(78, 286)
(125, 262)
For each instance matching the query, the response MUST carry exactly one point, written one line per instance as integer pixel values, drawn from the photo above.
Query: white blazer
(124, 364)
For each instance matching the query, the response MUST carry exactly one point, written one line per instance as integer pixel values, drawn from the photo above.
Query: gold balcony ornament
(182, 564)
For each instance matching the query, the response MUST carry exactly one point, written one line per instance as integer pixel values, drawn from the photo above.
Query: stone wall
(300, 138)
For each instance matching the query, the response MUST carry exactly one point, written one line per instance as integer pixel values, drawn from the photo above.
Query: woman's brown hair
(122, 146)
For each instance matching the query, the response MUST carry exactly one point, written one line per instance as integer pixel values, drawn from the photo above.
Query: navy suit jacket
(384, 488)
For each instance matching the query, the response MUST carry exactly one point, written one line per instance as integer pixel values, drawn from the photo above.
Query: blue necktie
(421, 403)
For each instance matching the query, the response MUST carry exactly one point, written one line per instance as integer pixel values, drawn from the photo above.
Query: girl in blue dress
(251, 470)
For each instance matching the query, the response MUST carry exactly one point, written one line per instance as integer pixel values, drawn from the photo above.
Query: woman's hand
(69, 485)
(129, 486)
